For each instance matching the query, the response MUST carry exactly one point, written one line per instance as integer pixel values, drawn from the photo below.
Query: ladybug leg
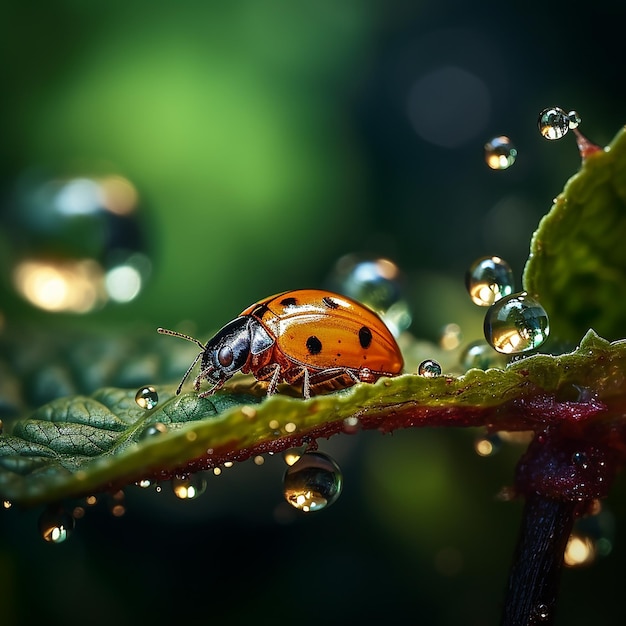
(275, 377)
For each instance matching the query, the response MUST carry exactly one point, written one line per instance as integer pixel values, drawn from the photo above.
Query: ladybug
(317, 338)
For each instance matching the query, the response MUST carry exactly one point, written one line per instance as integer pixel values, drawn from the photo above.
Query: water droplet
(375, 282)
(258, 459)
(488, 280)
(541, 612)
(91, 500)
(153, 430)
(313, 482)
(118, 510)
(147, 397)
(580, 459)
(291, 455)
(56, 525)
(574, 119)
(500, 153)
(7, 504)
(351, 425)
(515, 324)
(553, 123)
(79, 240)
(429, 369)
(144, 484)
(78, 512)
(480, 355)
(189, 487)
(487, 445)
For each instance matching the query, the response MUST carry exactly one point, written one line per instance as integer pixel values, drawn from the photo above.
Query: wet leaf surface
(83, 444)
(577, 265)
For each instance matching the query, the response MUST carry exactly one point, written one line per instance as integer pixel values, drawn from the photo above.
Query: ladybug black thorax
(233, 346)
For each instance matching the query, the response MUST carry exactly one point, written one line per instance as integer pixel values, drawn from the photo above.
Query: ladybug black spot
(330, 303)
(313, 345)
(288, 301)
(365, 337)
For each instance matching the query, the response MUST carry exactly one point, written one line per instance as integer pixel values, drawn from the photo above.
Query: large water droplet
(516, 323)
(500, 153)
(488, 279)
(56, 525)
(375, 282)
(313, 482)
(75, 241)
(429, 369)
(147, 397)
(189, 487)
(553, 123)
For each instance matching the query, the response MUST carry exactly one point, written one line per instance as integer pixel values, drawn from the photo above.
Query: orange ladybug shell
(321, 331)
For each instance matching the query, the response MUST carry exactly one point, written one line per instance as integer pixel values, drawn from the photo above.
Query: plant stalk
(535, 574)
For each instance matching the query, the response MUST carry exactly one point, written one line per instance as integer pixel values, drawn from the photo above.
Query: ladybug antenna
(173, 333)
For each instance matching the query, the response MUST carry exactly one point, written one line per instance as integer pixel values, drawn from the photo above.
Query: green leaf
(79, 445)
(577, 263)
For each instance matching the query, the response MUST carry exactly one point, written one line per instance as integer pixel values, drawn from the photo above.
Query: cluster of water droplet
(514, 322)
(555, 123)
(75, 241)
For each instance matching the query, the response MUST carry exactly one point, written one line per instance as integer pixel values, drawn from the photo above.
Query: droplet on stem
(56, 525)
(553, 123)
(313, 482)
(189, 487)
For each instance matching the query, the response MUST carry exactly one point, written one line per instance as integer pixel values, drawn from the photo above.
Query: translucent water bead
(516, 323)
(500, 153)
(554, 123)
(488, 279)
(313, 482)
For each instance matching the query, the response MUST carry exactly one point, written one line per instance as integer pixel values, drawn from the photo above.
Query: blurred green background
(247, 147)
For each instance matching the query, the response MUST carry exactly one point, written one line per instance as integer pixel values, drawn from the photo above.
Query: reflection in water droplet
(259, 460)
(580, 550)
(480, 355)
(375, 282)
(487, 445)
(56, 525)
(580, 459)
(144, 484)
(76, 241)
(189, 487)
(500, 153)
(515, 324)
(313, 482)
(153, 430)
(488, 280)
(553, 123)
(429, 369)
(574, 119)
(291, 455)
(541, 612)
(7, 504)
(147, 397)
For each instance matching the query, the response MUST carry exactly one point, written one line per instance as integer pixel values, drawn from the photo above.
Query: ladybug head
(227, 352)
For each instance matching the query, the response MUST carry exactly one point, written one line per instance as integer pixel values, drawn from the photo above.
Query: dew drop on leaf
(147, 397)
(553, 123)
(429, 369)
(153, 430)
(55, 525)
(313, 482)
(488, 279)
(515, 324)
(500, 153)
(189, 487)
